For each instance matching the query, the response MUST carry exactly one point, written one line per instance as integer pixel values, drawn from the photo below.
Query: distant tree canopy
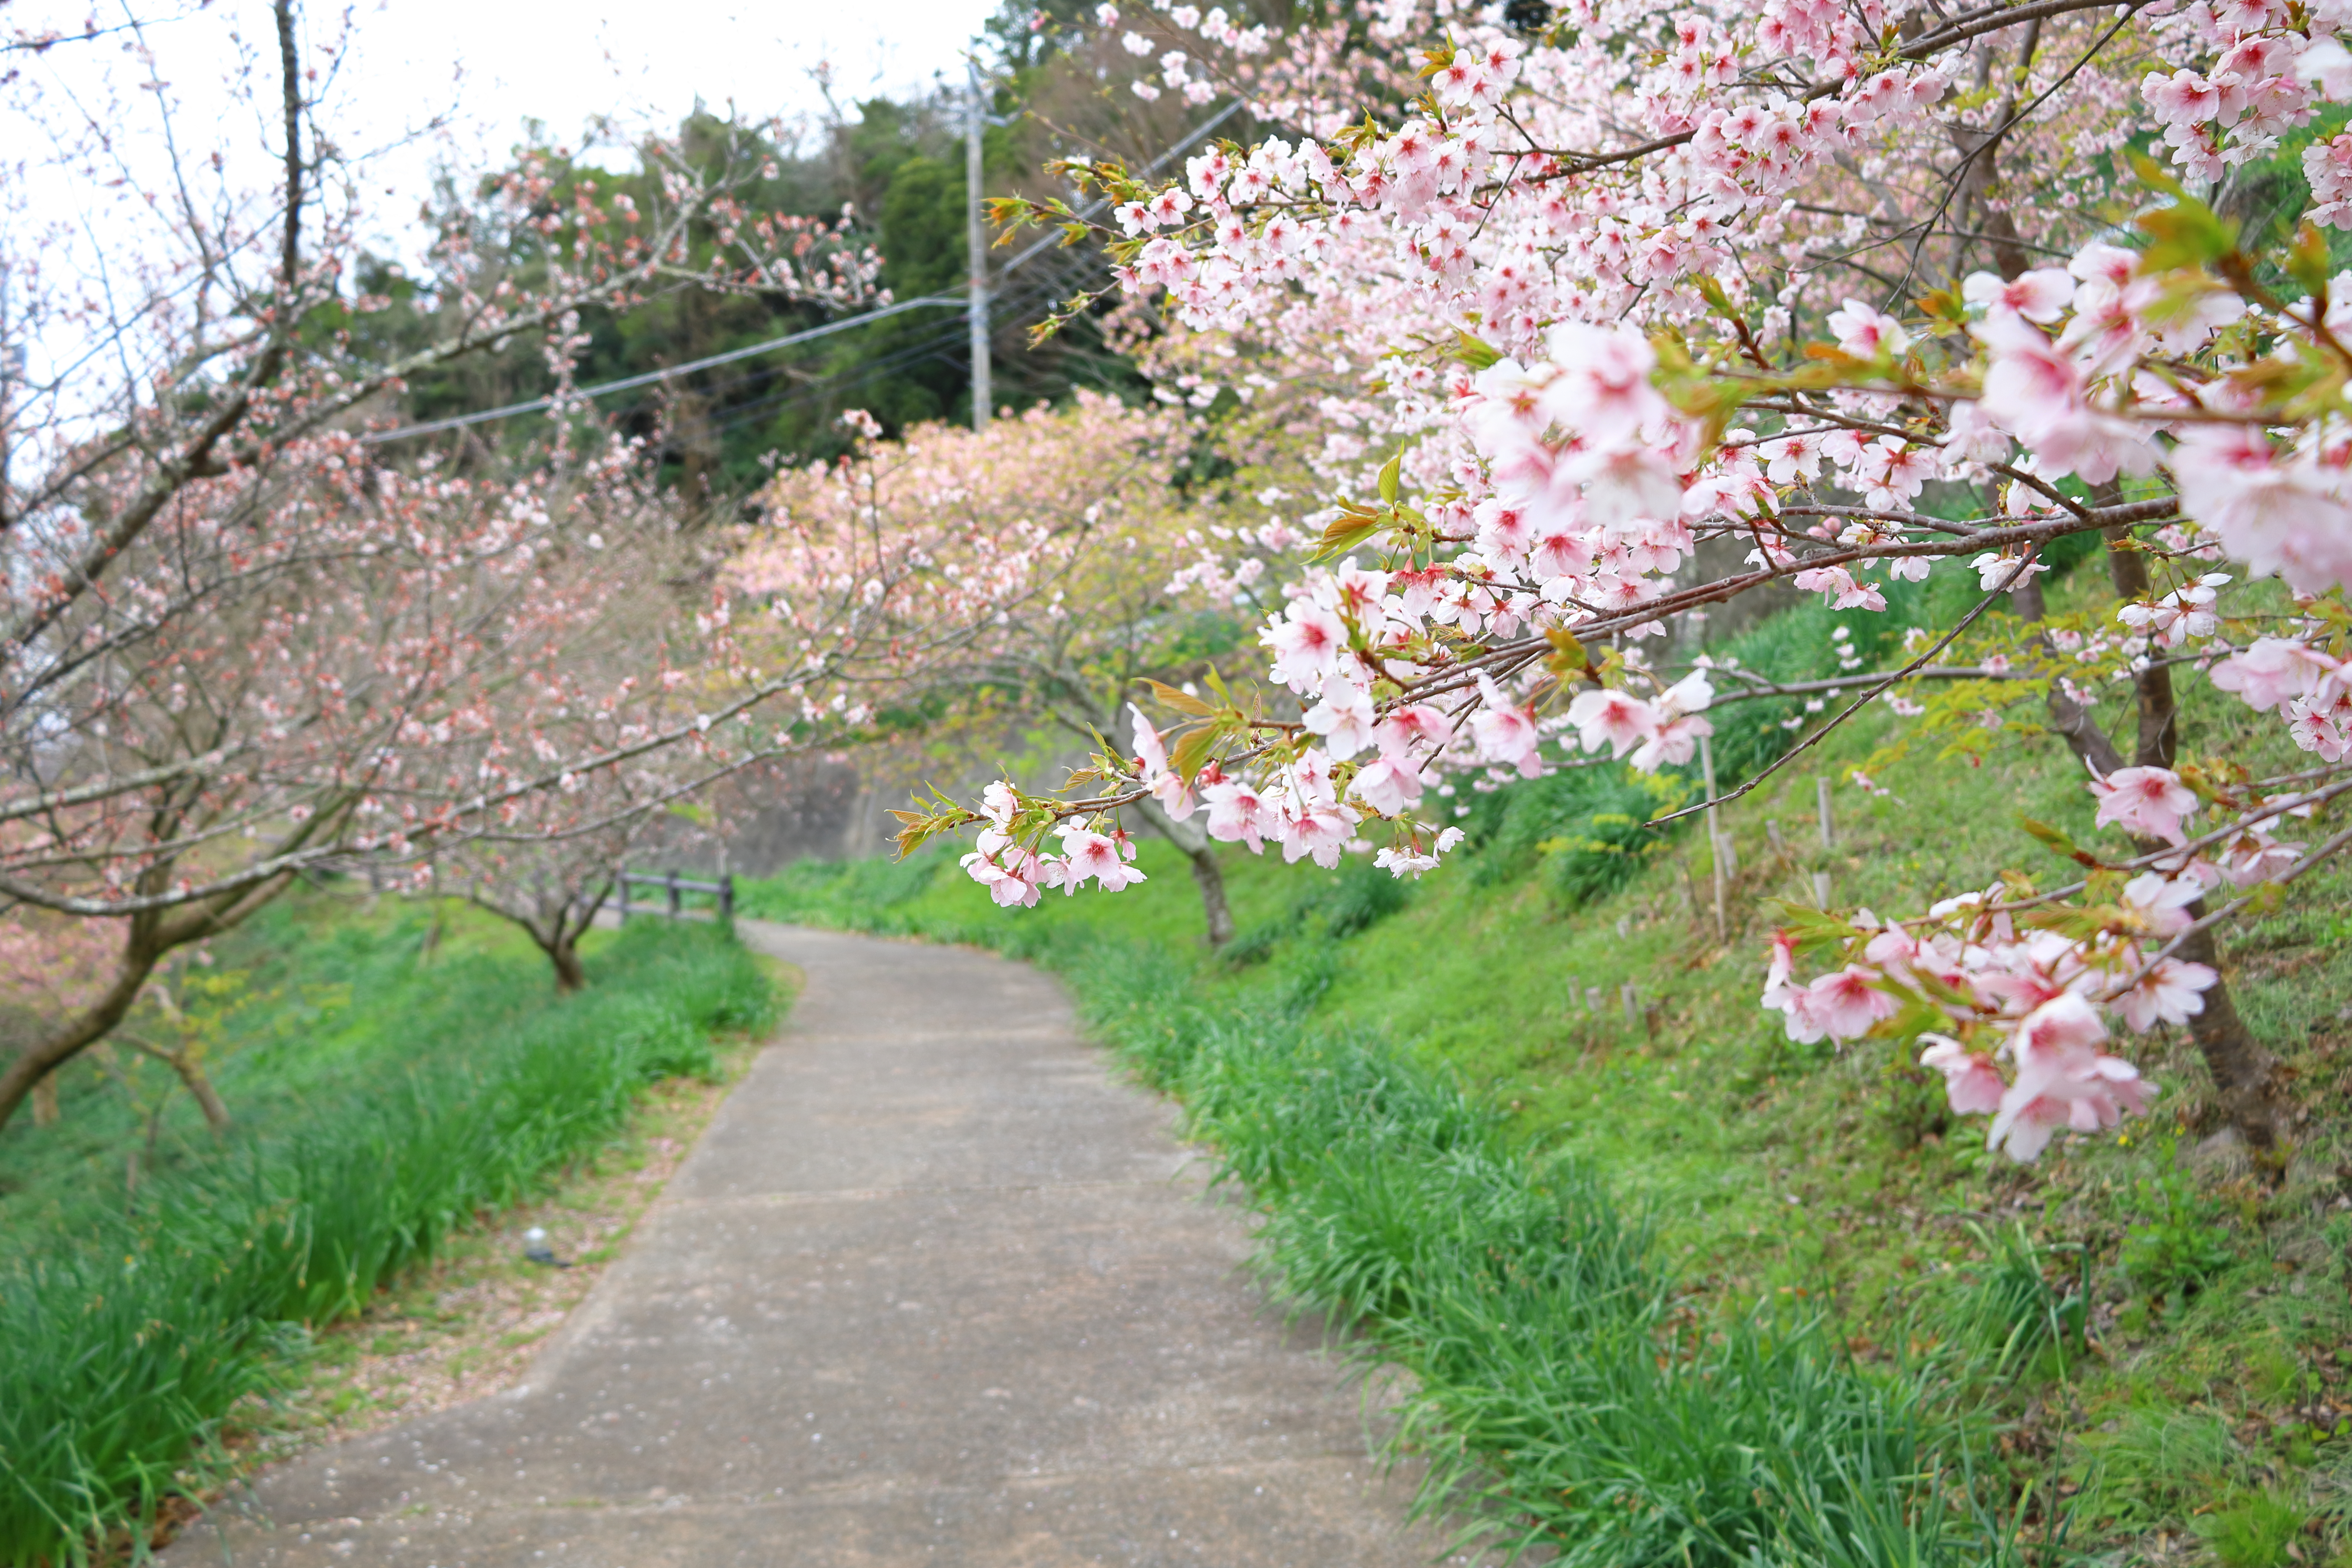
(894, 170)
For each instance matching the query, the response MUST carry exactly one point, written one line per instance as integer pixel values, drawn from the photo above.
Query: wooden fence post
(674, 904)
(625, 898)
(1714, 839)
(1821, 790)
(725, 895)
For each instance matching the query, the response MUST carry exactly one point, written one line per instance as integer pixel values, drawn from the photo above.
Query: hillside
(2133, 1348)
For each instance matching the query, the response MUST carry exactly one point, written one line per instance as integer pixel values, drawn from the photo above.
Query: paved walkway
(934, 1289)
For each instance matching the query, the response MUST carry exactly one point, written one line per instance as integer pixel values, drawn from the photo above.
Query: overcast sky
(565, 62)
(498, 62)
(488, 64)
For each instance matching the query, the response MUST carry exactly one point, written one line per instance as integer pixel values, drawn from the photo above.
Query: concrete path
(934, 1289)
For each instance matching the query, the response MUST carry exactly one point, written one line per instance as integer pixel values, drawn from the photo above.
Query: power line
(921, 352)
(626, 383)
(458, 421)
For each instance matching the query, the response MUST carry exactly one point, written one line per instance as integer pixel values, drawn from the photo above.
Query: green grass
(2145, 1344)
(386, 1100)
(1560, 1380)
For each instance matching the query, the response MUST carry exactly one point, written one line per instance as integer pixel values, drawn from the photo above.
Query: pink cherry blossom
(1506, 732)
(1867, 333)
(1343, 717)
(1319, 831)
(1387, 786)
(2274, 670)
(2040, 295)
(2160, 903)
(1848, 1003)
(2172, 993)
(1971, 1081)
(1011, 874)
(1237, 814)
(2290, 517)
(2063, 1080)
(2149, 800)
(1603, 386)
(1614, 719)
(1174, 795)
(1307, 644)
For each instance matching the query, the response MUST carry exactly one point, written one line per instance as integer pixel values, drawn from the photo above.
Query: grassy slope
(320, 996)
(2205, 1415)
(387, 1098)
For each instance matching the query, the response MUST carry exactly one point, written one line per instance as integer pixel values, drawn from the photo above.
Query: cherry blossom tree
(550, 858)
(1048, 567)
(552, 885)
(1621, 289)
(444, 659)
(237, 639)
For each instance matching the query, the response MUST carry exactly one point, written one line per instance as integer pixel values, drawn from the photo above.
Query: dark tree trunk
(190, 1073)
(2246, 1074)
(1206, 873)
(563, 953)
(554, 926)
(2159, 713)
(152, 935)
(93, 1024)
(1212, 879)
(207, 1098)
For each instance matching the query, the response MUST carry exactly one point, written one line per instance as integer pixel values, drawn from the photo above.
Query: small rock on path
(934, 1289)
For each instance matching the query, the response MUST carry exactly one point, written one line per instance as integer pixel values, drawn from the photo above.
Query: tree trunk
(1210, 877)
(2245, 1073)
(207, 1098)
(563, 953)
(152, 935)
(2159, 713)
(16, 1083)
(1206, 873)
(190, 1070)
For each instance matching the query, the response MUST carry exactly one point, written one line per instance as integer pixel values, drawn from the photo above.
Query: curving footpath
(934, 1289)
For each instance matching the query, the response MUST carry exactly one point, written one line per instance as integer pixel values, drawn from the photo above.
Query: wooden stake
(1714, 839)
(1821, 787)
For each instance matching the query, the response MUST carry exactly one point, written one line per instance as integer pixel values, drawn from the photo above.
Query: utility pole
(975, 121)
(11, 374)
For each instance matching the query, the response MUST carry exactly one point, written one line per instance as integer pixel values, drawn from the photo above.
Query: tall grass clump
(132, 1338)
(1562, 1390)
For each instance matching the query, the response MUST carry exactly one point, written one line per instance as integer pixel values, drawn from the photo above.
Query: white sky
(563, 63)
(498, 62)
(491, 64)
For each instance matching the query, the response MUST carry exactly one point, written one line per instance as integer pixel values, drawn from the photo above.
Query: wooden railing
(672, 886)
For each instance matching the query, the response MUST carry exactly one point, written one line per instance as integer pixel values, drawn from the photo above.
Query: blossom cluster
(1586, 288)
(2022, 989)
